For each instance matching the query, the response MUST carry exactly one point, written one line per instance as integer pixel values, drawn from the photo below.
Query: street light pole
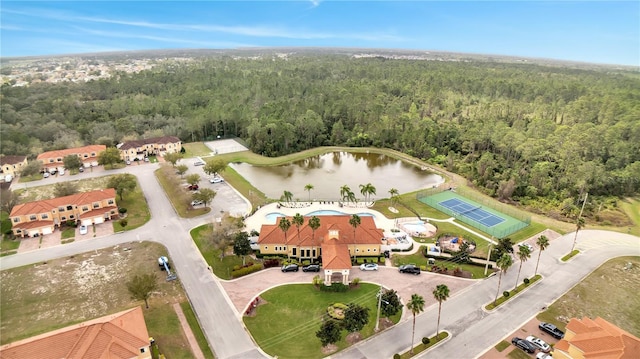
(379, 304)
(575, 239)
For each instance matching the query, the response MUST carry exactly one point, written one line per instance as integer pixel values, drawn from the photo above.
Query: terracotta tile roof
(72, 151)
(31, 225)
(11, 160)
(98, 211)
(599, 339)
(116, 336)
(335, 256)
(149, 141)
(366, 232)
(85, 198)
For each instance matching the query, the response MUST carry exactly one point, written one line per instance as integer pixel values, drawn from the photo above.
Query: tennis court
(476, 213)
(496, 220)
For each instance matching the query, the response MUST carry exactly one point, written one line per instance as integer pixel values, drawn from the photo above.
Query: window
(368, 249)
(44, 216)
(93, 154)
(61, 209)
(85, 155)
(96, 205)
(85, 208)
(63, 218)
(110, 201)
(33, 217)
(142, 350)
(266, 247)
(375, 250)
(16, 220)
(50, 160)
(71, 216)
(69, 208)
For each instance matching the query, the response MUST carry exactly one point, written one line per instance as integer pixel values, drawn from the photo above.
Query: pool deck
(259, 218)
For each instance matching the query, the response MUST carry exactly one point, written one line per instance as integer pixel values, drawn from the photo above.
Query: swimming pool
(272, 217)
(415, 227)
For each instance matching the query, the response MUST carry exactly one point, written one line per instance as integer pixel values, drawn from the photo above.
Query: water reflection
(328, 172)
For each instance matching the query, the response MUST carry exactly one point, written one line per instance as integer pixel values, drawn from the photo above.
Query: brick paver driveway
(242, 290)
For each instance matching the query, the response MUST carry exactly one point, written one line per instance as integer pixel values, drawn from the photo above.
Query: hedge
(247, 270)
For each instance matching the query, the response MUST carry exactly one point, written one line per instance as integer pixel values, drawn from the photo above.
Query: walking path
(193, 343)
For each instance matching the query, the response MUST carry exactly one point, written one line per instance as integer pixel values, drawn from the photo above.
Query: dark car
(311, 268)
(551, 329)
(524, 345)
(193, 187)
(290, 268)
(409, 268)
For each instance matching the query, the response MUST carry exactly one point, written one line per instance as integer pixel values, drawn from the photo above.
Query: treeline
(518, 131)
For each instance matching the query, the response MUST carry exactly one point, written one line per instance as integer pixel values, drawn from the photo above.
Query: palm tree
(523, 254)
(504, 262)
(543, 243)
(441, 293)
(354, 221)
(351, 197)
(579, 226)
(308, 188)
(394, 196)
(314, 223)
(416, 306)
(297, 221)
(287, 196)
(344, 191)
(284, 225)
(367, 190)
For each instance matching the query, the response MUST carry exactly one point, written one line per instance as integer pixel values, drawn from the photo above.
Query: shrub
(425, 340)
(335, 287)
(70, 223)
(236, 267)
(526, 281)
(337, 314)
(254, 233)
(317, 280)
(246, 270)
(355, 281)
(269, 263)
(122, 210)
(123, 223)
(396, 356)
(506, 294)
(423, 268)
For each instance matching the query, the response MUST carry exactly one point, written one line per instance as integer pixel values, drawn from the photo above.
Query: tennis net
(471, 210)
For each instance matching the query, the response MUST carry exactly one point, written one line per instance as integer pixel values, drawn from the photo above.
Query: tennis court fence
(498, 231)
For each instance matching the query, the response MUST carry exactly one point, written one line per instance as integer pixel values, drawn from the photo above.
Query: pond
(329, 172)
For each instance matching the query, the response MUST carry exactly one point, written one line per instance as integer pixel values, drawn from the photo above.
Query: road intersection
(473, 329)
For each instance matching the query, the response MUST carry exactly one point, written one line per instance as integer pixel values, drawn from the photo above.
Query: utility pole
(575, 239)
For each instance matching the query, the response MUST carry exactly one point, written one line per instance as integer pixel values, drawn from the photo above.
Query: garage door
(47, 230)
(98, 220)
(87, 222)
(34, 232)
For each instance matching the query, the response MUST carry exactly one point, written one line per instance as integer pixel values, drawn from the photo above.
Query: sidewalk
(193, 343)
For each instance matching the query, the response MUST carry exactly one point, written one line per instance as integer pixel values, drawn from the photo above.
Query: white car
(83, 229)
(46, 175)
(198, 163)
(216, 180)
(368, 266)
(542, 355)
(539, 343)
(196, 202)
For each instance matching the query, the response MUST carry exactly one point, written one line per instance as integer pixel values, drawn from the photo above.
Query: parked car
(524, 345)
(84, 229)
(216, 180)
(81, 169)
(61, 173)
(128, 162)
(539, 343)
(311, 268)
(551, 329)
(542, 355)
(193, 187)
(46, 175)
(196, 202)
(368, 266)
(198, 163)
(146, 159)
(290, 268)
(409, 268)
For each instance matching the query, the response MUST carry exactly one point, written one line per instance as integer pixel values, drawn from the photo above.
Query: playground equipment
(163, 263)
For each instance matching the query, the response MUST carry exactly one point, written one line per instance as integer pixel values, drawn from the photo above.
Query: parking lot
(530, 328)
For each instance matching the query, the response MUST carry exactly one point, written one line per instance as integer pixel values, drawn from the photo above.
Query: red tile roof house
(139, 149)
(41, 217)
(598, 339)
(52, 160)
(121, 335)
(334, 241)
(12, 165)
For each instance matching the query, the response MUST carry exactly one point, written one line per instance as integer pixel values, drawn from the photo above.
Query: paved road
(474, 330)
(461, 315)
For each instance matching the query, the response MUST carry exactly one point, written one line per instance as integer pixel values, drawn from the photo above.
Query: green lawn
(631, 206)
(512, 293)
(68, 233)
(420, 260)
(221, 268)
(502, 345)
(570, 255)
(163, 325)
(286, 325)
(194, 149)
(137, 210)
(197, 331)
(518, 354)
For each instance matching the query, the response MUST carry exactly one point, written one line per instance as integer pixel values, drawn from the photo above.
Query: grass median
(512, 293)
(179, 198)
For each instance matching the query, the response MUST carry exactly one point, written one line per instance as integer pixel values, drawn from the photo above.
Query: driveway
(242, 290)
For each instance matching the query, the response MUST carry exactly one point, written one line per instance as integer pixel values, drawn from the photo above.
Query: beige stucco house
(53, 160)
(12, 165)
(139, 149)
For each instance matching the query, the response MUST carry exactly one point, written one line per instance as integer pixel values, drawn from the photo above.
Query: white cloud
(315, 3)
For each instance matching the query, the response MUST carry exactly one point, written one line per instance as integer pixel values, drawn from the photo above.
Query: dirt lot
(45, 296)
(609, 292)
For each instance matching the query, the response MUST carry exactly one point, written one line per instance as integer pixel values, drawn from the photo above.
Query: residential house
(38, 218)
(335, 241)
(597, 338)
(53, 160)
(12, 165)
(139, 149)
(122, 335)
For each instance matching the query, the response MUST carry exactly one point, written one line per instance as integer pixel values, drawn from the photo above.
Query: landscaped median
(424, 345)
(570, 255)
(179, 198)
(512, 293)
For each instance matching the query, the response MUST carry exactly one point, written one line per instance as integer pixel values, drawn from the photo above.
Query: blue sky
(589, 31)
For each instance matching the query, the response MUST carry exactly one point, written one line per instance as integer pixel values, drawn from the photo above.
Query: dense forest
(517, 131)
